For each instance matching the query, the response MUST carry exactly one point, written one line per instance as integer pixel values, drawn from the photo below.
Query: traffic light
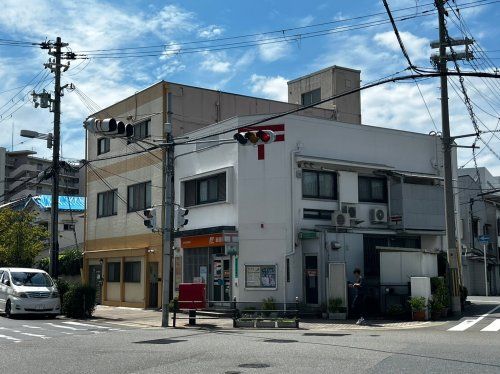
(109, 127)
(255, 137)
(180, 215)
(150, 218)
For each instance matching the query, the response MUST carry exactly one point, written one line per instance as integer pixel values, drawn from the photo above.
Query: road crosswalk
(41, 330)
(484, 323)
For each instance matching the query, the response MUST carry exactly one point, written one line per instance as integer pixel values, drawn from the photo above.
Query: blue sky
(261, 70)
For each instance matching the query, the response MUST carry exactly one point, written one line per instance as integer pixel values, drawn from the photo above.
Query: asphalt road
(99, 347)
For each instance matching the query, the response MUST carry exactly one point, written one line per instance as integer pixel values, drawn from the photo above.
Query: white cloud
(210, 32)
(417, 47)
(269, 87)
(272, 50)
(216, 63)
(305, 21)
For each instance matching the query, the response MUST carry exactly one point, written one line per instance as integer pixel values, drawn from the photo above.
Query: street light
(37, 135)
(54, 208)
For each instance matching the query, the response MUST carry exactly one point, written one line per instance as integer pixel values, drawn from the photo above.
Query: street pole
(168, 206)
(448, 175)
(485, 271)
(54, 214)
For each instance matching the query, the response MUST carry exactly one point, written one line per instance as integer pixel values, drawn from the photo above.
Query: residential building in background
(123, 180)
(479, 193)
(17, 167)
(294, 218)
(71, 211)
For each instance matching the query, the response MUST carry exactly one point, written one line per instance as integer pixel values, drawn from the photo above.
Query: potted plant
(287, 323)
(435, 307)
(266, 324)
(335, 309)
(418, 307)
(324, 311)
(245, 322)
(268, 306)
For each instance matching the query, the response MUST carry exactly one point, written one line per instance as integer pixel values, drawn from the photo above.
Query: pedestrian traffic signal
(150, 218)
(255, 137)
(181, 219)
(109, 127)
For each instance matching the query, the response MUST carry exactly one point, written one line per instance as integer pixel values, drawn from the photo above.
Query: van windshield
(31, 279)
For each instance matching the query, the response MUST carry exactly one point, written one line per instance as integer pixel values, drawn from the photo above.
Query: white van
(28, 291)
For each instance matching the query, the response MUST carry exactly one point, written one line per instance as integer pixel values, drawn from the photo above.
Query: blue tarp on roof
(74, 203)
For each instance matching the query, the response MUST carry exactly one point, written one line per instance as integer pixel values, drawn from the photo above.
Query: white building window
(311, 97)
(103, 145)
(142, 130)
(319, 185)
(139, 196)
(107, 203)
(205, 190)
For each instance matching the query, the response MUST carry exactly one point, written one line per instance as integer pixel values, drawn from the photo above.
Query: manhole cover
(160, 341)
(256, 365)
(319, 334)
(280, 341)
(374, 335)
(232, 372)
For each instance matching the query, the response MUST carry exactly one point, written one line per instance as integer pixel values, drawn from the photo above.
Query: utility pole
(452, 250)
(168, 210)
(55, 106)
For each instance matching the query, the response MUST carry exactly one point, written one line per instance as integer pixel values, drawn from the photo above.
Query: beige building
(120, 253)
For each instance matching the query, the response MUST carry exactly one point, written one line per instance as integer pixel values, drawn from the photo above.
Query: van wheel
(8, 313)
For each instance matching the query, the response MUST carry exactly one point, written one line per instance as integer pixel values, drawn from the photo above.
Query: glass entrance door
(221, 278)
(311, 279)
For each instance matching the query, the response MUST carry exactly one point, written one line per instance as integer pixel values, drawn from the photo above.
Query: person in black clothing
(358, 302)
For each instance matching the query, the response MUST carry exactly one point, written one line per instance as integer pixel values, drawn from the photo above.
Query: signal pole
(452, 247)
(168, 210)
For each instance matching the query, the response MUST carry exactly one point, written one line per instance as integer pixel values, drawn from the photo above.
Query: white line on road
(471, 322)
(87, 325)
(35, 335)
(493, 326)
(65, 327)
(15, 340)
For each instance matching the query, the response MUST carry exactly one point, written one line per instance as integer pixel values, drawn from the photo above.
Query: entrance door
(95, 280)
(311, 279)
(153, 285)
(221, 279)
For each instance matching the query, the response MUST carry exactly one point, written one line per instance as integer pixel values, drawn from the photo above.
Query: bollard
(297, 312)
(176, 307)
(235, 311)
(192, 317)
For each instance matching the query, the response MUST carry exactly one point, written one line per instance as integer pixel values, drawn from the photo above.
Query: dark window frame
(144, 204)
(195, 185)
(114, 209)
(317, 195)
(322, 214)
(103, 146)
(371, 199)
(129, 276)
(114, 275)
(311, 97)
(145, 127)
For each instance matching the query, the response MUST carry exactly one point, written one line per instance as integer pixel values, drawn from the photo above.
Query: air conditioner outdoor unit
(341, 219)
(350, 209)
(378, 215)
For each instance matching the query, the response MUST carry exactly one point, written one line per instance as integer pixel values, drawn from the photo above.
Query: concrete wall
(332, 81)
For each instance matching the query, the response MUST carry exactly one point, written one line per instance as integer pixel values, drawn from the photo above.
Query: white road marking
(35, 335)
(471, 322)
(32, 327)
(15, 340)
(87, 325)
(493, 326)
(65, 327)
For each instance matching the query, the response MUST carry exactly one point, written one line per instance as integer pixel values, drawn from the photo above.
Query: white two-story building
(295, 217)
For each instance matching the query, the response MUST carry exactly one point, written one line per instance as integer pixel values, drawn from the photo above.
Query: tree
(21, 238)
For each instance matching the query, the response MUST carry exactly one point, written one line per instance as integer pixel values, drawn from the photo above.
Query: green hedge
(79, 301)
(69, 262)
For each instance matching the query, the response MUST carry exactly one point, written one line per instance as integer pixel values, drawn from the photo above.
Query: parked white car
(28, 291)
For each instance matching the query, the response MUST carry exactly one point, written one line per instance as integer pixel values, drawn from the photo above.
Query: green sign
(308, 235)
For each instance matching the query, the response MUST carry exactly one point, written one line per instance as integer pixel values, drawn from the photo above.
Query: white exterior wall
(264, 202)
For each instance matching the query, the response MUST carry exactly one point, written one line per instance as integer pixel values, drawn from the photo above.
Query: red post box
(192, 296)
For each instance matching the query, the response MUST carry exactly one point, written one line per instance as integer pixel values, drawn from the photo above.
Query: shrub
(268, 305)
(417, 304)
(62, 288)
(43, 264)
(79, 301)
(70, 261)
(334, 305)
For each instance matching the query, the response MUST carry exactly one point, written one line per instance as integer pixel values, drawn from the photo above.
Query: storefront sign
(200, 241)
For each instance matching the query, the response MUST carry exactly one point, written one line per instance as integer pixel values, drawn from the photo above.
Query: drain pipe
(287, 253)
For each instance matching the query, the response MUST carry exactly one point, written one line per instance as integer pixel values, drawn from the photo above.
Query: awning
(345, 164)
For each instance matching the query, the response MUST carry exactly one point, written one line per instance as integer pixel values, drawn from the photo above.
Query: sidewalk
(141, 318)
